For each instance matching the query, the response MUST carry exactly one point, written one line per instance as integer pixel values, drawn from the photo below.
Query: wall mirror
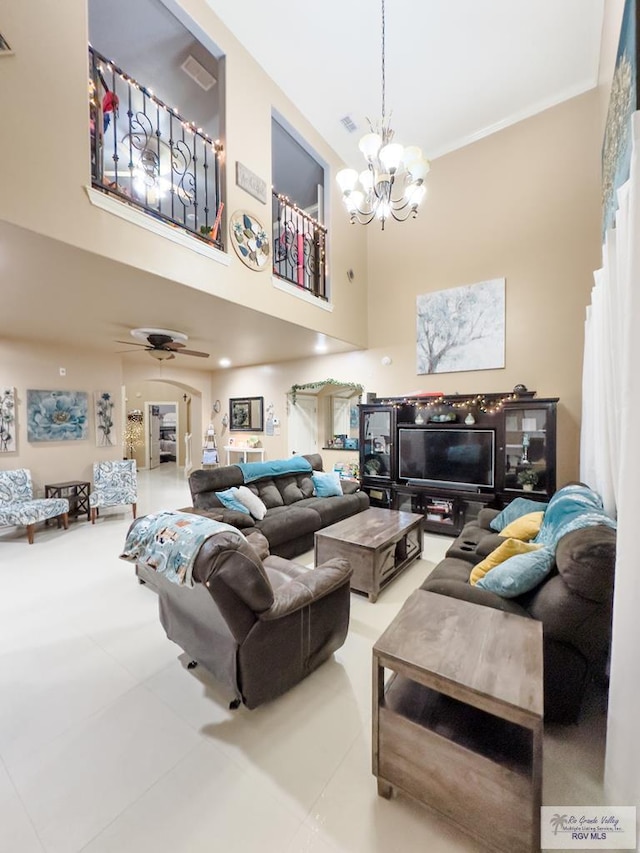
(246, 414)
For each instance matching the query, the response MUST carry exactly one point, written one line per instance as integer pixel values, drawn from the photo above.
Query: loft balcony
(146, 154)
(299, 247)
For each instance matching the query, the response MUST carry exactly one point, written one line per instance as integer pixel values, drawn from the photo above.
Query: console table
(245, 451)
(75, 491)
(458, 726)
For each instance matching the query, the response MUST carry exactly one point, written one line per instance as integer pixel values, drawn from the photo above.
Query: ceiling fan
(163, 344)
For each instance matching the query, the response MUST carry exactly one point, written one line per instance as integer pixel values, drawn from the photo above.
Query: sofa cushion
(294, 488)
(451, 577)
(229, 499)
(526, 527)
(268, 492)
(281, 524)
(586, 561)
(518, 574)
(336, 508)
(507, 549)
(327, 484)
(516, 509)
(250, 501)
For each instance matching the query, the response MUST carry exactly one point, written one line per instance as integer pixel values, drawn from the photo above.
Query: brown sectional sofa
(293, 512)
(574, 604)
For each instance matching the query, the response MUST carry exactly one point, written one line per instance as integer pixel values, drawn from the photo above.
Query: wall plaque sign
(251, 183)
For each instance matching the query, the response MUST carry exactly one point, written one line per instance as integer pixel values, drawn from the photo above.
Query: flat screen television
(457, 458)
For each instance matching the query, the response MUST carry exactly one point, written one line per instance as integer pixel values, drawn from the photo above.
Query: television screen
(455, 457)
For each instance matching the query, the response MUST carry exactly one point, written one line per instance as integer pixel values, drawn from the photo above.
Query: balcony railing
(146, 154)
(299, 247)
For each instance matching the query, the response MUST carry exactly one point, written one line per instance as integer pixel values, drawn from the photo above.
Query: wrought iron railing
(145, 153)
(299, 247)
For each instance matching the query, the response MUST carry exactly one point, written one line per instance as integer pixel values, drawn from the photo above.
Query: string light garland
(489, 404)
(284, 199)
(295, 389)
(188, 126)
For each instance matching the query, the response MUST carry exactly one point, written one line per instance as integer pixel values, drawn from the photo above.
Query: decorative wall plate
(250, 240)
(216, 406)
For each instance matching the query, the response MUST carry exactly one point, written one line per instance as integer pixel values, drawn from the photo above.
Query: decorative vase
(469, 419)
(527, 487)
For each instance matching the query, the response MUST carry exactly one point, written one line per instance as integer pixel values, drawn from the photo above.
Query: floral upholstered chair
(114, 483)
(19, 507)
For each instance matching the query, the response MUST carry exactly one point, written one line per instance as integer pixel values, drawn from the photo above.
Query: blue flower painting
(57, 415)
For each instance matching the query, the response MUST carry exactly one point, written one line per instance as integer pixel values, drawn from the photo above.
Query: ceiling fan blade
(130, 344)
(193, 352)
(173, 345)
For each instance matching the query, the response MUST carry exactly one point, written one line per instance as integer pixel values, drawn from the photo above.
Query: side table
(458, 726)
(75, 491)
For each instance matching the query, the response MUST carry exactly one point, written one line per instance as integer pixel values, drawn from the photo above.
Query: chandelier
(392, 184)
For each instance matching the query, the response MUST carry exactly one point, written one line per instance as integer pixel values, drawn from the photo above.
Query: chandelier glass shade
(392, 184)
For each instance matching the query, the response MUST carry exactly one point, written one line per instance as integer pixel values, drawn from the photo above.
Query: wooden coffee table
(458, 726)
(379, 544)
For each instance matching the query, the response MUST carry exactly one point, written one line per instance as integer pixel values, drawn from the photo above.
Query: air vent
(349, 124)
(197, 73)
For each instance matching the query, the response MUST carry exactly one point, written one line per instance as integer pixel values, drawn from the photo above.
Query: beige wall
(45, 167)
(524, 204)
(32, 366)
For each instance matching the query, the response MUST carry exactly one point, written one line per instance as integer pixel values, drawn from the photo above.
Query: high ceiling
(456, 70)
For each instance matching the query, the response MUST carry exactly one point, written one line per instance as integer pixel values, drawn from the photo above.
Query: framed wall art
(462, 328)
(105, 426)
(623, 101)
(7, 420)
(57, 415)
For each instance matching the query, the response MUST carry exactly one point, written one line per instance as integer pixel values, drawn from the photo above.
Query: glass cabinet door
(376, 451)
(526, 449)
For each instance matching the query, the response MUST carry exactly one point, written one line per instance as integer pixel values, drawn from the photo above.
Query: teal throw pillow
(327, 484)
(518, 574)
(230, 501)
(516, 509)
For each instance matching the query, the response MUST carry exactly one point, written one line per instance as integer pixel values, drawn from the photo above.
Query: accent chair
(114, 483)
(19, 507)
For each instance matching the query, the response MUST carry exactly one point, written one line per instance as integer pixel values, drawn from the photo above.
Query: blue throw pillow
(327, 484)
(516, 509)
(230, 501)
(518, 574)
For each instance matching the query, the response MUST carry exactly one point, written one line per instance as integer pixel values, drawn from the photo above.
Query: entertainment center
(448, 456)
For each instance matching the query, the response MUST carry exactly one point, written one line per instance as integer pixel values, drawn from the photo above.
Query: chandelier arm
(412, 211)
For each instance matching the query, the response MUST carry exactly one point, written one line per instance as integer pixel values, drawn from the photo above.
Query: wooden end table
(458, 726)
(75, 491)
(378, 543)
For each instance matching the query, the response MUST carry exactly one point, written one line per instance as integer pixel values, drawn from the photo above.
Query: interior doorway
(303, 425)
(162, 431)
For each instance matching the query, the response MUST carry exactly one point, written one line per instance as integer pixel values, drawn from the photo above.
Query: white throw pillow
(251, 501)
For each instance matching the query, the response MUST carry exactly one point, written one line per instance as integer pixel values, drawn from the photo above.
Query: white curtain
(611, 464)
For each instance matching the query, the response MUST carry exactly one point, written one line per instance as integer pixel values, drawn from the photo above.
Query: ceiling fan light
(161, 354)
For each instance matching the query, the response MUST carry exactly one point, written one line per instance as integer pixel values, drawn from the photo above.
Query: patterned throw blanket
(571, 508)
(169, 541)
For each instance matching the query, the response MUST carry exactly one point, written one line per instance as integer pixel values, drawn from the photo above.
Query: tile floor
(108, 744)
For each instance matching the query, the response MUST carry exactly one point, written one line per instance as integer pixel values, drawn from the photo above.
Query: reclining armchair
(259, 626)
(19, 507)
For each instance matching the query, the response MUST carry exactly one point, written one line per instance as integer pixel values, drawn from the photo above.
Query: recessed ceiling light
(225, 362)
